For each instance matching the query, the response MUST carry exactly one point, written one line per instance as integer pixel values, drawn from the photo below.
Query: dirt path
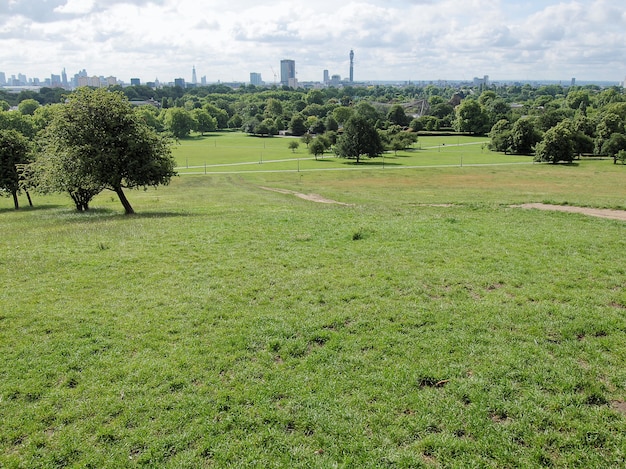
(312, 197)
(594, 212)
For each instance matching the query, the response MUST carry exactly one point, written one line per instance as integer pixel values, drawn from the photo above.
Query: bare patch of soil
(619, 406)
(311, 197)
(594, 212)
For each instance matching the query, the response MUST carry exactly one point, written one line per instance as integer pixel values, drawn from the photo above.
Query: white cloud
(78, 7)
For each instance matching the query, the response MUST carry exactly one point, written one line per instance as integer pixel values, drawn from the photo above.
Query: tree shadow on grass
(107, 214)
(28, 208)
(371, 163)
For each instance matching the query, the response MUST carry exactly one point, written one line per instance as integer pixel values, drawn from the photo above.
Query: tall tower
(288, 73)
(351, 65)
(194, 78)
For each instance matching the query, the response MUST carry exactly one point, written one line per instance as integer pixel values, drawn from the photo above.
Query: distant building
(481, 81)
(288, 73)
(351, 66)
(135, 82)
(93, 82)
(573, 83)
(55, 80)
(326, 77)
(110, 81)
(3, 79)
(255, 79)
(179, 82)
(194, 78)
(335, 80)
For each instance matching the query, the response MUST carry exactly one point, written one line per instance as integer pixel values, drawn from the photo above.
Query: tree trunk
(30, 201)
(15, 201)
(125, 203)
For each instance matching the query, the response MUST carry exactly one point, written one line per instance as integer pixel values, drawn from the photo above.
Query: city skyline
(395, 40)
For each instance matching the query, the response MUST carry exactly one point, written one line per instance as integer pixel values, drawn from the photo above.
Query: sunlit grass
(230, 326)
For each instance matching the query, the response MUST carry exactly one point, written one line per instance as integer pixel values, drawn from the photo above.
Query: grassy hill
(426, 323)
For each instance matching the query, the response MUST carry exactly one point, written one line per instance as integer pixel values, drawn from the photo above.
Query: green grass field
(235, 152)
(230, 326)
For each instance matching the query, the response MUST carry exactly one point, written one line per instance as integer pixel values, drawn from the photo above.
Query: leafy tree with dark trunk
(360, 138)
(107, 144)
(14, 153)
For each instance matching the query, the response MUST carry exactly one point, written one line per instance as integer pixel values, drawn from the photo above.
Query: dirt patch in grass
(619, 406)
(311, 197)
(594, 212)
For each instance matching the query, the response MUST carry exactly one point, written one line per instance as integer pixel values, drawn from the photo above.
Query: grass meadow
(427, 323)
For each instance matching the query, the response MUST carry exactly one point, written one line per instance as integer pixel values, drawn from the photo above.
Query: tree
(317, 147)
(367, 112)
(609, 124)
(107, 145)
(179, 122)
(293, 145)
(297, 125)
(524, 136)
(471, 117)
(397, 116)
(360, 138)
(14, 152)
(500, 136)
(307, 138)
(203, 121)
(613, 145)
(342, 113)
(28, 107)
(557, 145)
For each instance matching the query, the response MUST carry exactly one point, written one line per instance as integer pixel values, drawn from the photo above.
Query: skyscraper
(255, 78)
(194, 78)
(351, 65)
(288, 73)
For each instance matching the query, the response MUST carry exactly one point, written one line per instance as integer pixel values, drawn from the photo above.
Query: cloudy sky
(392, 39)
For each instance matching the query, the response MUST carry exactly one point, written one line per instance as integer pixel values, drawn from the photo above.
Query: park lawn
(230, 326)
(236, 152)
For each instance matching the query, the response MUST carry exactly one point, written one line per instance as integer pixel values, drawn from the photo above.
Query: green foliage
(359, 139)
(14, 153)
(524, 136)
(471, 117)
(500, 136)
(297, 125)
(203, 121)
(24, 124)
(557, 145)
(317, 147)
(96, 141)
(293, 145)
(179, 122)
(28, 107)
(397, 116)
